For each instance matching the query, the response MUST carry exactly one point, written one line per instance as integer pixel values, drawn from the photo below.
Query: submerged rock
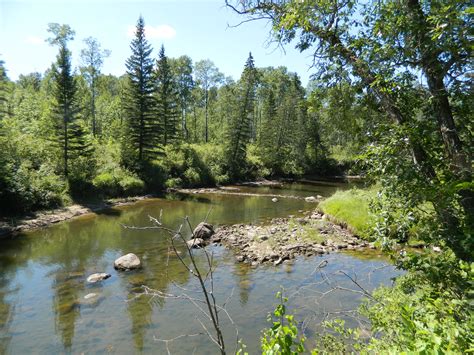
(127, 262)
(98, 277)
(90, 295)
(195, 243)
(203, 231)
(311, 199)
(274, 199)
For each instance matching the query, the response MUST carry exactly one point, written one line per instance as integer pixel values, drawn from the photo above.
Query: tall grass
(351, 207)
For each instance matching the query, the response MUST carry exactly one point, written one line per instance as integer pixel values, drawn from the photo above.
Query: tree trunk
(434, 72)
(206, 99)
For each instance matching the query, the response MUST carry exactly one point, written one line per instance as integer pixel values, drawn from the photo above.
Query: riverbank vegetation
(167, 122)
(407, 66)
(391, 98)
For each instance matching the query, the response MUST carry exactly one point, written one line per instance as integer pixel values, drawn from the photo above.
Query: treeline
(75, 133)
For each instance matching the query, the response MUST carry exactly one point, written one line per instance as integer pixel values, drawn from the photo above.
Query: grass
(351, 207)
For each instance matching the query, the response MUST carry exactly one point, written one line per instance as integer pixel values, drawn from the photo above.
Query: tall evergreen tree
(167, 99)
(240, 129)
(139, 103)
(69, 133)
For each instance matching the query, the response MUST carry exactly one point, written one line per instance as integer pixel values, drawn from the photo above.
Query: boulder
(274, 199)
(311, 199)
(203, 231)
(127, 262)
(98, 277)
(195, 243)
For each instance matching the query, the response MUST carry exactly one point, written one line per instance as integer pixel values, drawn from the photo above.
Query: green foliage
(186, 168)
(288, 138)
(112, 179)
(352, 207)
(70, 135)
(167, 100)
(241, 130)
(24, 188)
(118, 183)
(429, 310)
(143, 133)
(282, 337)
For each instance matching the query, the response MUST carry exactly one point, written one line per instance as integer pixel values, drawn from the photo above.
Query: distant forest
(71, 133)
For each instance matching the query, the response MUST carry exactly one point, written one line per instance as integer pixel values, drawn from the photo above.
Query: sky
(199, 29)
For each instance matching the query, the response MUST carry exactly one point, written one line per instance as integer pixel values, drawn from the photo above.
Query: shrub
(131, 184)
(118, 183)
(107, 184)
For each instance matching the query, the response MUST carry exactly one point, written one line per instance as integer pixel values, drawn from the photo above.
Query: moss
(351, 207)
(313, 235)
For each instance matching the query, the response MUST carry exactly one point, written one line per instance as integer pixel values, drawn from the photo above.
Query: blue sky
(192, 27)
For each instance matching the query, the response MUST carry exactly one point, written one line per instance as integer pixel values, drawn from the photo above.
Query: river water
(43, 280)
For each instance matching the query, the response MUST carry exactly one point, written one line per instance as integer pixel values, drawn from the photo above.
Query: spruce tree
(240, 128)
(167, 99)
(69, 134)
(143, 130)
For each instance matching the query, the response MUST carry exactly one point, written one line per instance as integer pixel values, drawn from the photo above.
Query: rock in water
(90, 295)
(127, 262)
(311, 199)
(195, 243)
(203, 231)
(274, 199)
(98, 277)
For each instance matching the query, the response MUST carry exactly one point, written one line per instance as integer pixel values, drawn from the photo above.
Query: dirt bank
(41, 219)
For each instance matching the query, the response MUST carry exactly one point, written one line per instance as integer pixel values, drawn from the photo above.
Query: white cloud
(35, 40)
(159, 32)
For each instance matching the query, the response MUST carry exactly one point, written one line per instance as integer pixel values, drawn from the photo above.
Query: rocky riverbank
(286, 238)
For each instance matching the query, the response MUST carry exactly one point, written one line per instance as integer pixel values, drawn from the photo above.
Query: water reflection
(43, 278)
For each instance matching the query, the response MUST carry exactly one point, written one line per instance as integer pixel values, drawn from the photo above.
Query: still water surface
(43, 279)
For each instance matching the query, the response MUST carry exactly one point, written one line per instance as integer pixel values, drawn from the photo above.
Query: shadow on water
(109, 212)
(43, 280)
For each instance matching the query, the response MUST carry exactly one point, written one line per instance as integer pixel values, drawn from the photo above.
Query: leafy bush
(185, 166)
(282, 337)
(118, 183)
(428, 310)
(131, 184)
(24, 188)
(112, 178)
(107, 184)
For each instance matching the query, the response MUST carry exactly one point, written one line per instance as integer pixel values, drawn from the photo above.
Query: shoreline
(11, 226)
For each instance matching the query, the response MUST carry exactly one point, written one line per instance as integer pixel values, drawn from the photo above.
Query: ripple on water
(43, 279)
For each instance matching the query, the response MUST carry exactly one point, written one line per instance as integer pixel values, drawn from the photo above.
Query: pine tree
(167, 99)
(143, 130)
(69, 134)
(240, 129)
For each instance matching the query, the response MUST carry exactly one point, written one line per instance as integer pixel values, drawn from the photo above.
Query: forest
(391, 100)
(166, 123)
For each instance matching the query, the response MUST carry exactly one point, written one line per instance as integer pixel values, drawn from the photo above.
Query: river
(43, 279)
